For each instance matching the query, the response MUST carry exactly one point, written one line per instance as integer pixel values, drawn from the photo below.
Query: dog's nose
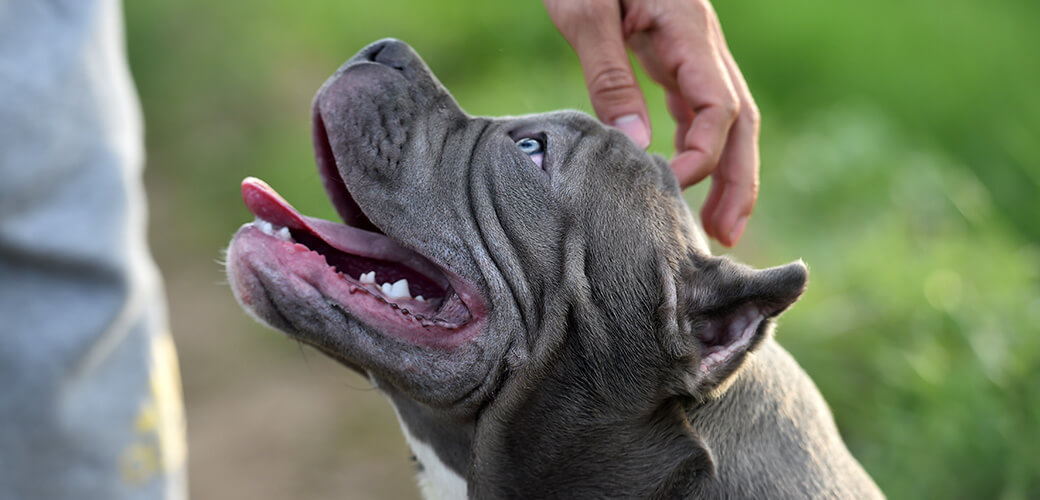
(390, 52)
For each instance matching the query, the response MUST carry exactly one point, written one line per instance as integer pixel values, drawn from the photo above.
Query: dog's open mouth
(371, 276)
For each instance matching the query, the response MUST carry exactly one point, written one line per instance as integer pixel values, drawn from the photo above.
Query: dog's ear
(725, 310)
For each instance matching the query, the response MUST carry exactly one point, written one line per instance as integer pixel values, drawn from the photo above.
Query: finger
(593, 28)
(706, 88)
(738, 169)
(711, 203)
(681, 113)
(737, 179)
(680, 52)
(734, 208)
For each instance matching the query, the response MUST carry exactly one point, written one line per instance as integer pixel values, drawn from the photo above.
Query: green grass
(899, 154)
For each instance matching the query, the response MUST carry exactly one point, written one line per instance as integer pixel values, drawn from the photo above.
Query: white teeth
(280, 232)
(399, 289)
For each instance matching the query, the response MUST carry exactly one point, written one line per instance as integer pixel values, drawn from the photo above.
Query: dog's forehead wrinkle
(570, 119)
(508, 281)
(518, 223)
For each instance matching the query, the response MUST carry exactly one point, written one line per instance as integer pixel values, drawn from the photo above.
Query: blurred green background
(899, 158)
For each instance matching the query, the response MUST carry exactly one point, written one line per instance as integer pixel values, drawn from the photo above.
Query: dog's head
(496, 258)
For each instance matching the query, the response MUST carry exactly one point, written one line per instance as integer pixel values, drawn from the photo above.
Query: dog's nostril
(373, 51)
(393, 53)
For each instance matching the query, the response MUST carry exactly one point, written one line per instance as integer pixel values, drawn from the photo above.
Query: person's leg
(90, 406)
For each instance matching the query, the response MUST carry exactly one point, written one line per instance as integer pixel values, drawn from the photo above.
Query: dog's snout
(390, 52)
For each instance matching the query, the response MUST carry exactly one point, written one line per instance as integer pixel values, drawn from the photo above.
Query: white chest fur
(436, 480)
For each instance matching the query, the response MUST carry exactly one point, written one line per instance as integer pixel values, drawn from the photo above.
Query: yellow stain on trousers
(161, 444)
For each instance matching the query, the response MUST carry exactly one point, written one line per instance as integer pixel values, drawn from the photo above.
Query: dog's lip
(444, 322)
(266, 204)
(328, 170)
(260, 263)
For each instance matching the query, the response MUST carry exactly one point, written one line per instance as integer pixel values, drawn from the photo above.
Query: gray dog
(534, 297)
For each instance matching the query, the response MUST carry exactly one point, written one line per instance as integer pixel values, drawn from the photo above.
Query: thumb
(593, 28)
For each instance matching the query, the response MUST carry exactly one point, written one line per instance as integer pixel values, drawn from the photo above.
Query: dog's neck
(558, 446)
(558, 435)
(441, 446)
(554, 447)
(561, 444)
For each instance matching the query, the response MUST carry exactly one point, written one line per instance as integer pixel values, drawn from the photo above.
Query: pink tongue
(268, 205)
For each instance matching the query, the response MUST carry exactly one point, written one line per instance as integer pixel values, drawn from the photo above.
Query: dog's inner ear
(729, 310)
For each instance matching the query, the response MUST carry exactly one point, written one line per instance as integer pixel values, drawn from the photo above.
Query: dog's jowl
(533, 296)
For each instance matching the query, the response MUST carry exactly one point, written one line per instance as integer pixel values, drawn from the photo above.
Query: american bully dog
(535, 299)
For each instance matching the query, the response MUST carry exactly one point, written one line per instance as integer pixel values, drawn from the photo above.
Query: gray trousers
(90, 398)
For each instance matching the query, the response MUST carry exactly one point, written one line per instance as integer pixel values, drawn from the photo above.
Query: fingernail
(738, 230)
(633, 126)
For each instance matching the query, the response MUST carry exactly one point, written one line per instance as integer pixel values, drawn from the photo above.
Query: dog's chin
(287, 269)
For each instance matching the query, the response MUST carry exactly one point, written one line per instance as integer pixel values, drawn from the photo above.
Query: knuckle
(730, 106)
(577, 14)
(753, 114)
(699, 7)
(743, 180)
(612, 83)
(749, 195)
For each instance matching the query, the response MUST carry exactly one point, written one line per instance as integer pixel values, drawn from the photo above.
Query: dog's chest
(436, 480)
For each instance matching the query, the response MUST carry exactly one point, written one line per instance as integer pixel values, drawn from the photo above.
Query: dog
(535, 299)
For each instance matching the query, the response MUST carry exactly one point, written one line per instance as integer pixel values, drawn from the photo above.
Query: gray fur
(590, 379)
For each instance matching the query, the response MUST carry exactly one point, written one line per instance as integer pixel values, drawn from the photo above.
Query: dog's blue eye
(535, 149)
(531, 146)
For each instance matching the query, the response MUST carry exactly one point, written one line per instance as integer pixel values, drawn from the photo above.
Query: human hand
(680, 45)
